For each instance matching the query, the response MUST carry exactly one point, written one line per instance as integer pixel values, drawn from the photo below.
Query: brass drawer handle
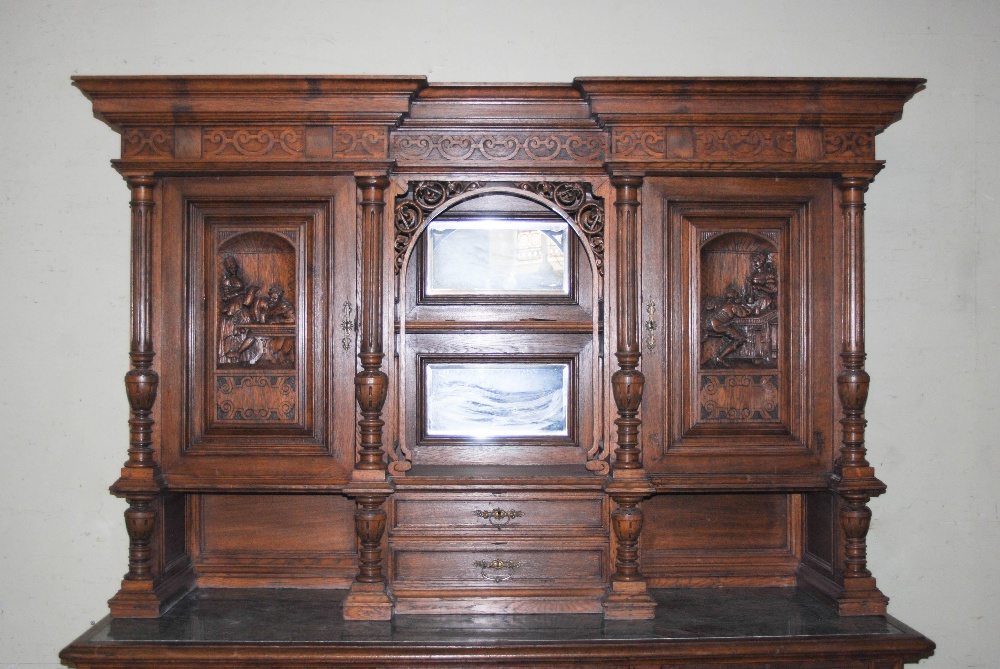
(498, 517)
(502, 570)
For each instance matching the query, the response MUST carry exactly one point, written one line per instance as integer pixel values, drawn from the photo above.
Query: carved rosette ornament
(575, 200)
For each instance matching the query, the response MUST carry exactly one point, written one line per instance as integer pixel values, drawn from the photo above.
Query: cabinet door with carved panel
(737, 304)
(257, 323)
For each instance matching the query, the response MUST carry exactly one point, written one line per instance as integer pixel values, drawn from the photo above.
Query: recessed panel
(497, 257)
(739, 378)
(255, 295)
(496, 400)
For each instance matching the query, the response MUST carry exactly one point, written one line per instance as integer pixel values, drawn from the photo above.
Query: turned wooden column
(628, 597)
(140, 482)
(371, 383)
(854, 478)
(368, 599)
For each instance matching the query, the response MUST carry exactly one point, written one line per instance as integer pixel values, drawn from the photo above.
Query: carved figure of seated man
(719, 323)
(276, 309)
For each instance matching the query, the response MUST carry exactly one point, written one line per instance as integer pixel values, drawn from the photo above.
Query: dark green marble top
(310, 617)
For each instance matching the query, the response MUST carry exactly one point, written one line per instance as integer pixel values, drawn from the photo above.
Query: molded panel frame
(315, 451)
(676, 211)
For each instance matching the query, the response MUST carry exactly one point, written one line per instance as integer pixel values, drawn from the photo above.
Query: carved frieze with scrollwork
(361, 142)
(848, 144)
(745, 143)
(147, 142)
(500, 147)
(274, 142)
(639, 143)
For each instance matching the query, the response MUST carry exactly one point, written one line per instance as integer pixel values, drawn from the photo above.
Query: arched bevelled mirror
(499, 323)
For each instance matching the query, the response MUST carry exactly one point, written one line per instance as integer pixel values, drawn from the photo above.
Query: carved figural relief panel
(256, 366)
(255, 351)
(740, 323)
(738, 279)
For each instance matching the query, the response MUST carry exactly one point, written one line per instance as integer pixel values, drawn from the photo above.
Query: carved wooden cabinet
(479, 351)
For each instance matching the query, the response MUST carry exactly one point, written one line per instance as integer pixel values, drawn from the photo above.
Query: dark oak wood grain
(695, 422)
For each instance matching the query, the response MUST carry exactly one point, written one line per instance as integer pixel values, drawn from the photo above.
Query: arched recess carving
(573, 202)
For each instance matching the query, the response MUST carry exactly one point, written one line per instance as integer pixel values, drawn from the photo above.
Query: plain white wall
(933, 241)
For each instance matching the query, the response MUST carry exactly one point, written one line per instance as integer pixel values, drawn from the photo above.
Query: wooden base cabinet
(497, 375)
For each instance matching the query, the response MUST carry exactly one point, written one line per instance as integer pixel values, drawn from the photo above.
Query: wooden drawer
(493, 566)
(498, 514)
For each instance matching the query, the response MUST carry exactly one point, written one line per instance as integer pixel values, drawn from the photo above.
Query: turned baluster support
(626, 520)
(854, 478)
(628, 597)
(369, 521)
(140, 482)
(368, 598)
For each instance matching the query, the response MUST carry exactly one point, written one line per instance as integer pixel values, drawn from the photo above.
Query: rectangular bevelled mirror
(497, 257)
(472, 400)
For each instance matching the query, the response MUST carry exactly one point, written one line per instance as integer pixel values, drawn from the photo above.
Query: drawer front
(428, 514)
(498, 567)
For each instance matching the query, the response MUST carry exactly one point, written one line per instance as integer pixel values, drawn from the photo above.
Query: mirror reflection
(497, 257)
(489, 400)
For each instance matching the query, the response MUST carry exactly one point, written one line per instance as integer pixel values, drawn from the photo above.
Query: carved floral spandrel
(423, 197)
(500, 147)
